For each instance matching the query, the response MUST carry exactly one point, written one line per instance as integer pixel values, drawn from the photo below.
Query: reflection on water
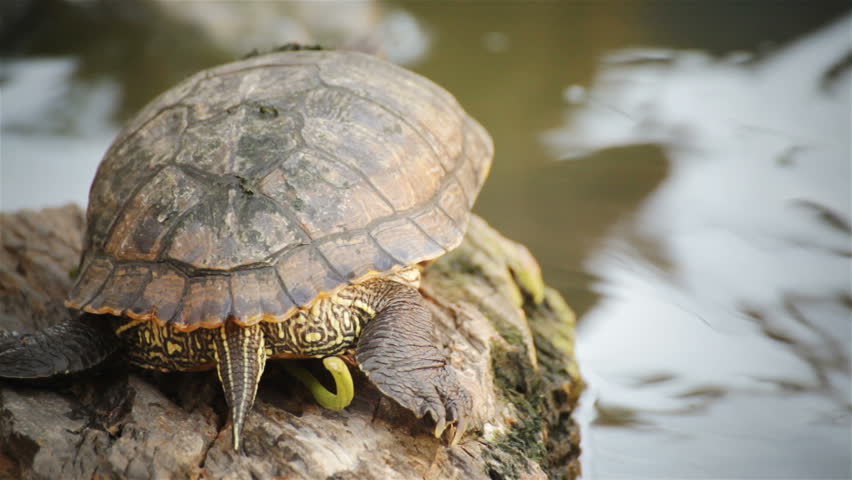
(701, 229)
(239, 27)
(721, 345)
(54, 132)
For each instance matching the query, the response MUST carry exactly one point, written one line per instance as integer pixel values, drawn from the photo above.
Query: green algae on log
(509, 336)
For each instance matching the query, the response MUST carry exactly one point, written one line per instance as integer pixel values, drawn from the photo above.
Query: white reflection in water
(54, 132)
(724, 351)
(239, 27)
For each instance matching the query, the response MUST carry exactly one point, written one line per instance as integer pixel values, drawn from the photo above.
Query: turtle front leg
(397, 351)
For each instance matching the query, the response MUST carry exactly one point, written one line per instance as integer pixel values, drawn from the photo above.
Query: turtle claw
(458, 430)
(435, 393)
(432, 391)
(458, 408)
(440, 426)
(433, 408)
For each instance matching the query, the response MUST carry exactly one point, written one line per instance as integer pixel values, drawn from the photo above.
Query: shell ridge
(232, 306)
(200, 119)
(119, 214)
(133, 193)
(379, 246)
(327, 262)
(218, 73)
(179, 307)
(463, 160)
(149, 275)
(479, 131)
(237, 127)
(367, 181)
(459, 160)
(407, 214)
(173, 231)
(283, 287)
(396, 115)
(126, 136)
(284, 211)
(260, 172)
(445, 97)
(426, 234)
(452, 220)
(378, 221)
(196, 80)
(100, 288)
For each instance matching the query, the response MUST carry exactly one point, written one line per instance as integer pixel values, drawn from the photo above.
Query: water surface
(680, 169)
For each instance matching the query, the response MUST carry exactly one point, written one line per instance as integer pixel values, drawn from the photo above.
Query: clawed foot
(425, 387)
(439, 395)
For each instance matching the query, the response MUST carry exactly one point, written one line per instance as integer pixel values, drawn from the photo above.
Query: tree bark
(510, 338)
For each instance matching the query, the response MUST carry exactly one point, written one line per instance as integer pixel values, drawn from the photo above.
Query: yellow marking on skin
(131, 324)
(153, 354)
(261, 356)
(240, 413)
(313, 337)
(408, 276)
(317, 308)
(347, 302)
(172, 347)
(225, 369)
(246, 353)
(260, 353)
(365, 307)
(223, 361)
(343, 302)
(156, 336)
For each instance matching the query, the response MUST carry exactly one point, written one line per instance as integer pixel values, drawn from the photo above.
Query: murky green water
(681, 170)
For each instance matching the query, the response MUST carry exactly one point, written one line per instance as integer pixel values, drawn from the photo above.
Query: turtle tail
(240, 358)
(68, 347)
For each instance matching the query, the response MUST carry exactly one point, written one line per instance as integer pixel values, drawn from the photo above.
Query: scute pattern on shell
(251, 189)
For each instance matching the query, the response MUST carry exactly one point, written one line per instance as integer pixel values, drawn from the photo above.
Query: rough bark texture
(509, 337)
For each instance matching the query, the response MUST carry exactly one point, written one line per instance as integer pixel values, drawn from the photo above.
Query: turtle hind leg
(397, 351)
(69, 347)
(240, 359)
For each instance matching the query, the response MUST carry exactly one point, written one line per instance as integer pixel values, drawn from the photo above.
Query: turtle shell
(250, 190)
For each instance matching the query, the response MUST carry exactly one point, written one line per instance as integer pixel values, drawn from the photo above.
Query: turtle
(280, 206)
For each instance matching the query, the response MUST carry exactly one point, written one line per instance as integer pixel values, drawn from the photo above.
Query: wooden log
(510, 337)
